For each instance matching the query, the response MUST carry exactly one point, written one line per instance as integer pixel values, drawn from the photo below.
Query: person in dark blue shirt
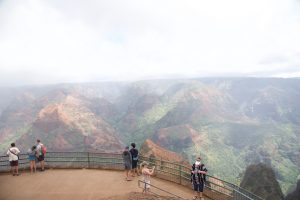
(135, 158)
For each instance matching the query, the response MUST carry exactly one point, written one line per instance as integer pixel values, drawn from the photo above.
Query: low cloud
(76, 41)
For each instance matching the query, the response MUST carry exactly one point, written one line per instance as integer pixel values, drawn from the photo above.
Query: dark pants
(41, 158)
(198, 187)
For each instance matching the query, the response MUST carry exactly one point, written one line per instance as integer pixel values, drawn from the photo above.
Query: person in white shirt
(40, 154)
(13, 153)
(146, 173)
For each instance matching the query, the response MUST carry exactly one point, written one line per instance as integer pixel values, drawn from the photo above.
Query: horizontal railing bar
(145, 183)
(218, 191)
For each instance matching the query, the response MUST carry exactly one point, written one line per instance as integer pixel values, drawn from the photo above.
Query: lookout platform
(79, 184)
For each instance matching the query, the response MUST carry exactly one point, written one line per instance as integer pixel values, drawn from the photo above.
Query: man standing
(40, 153)
(13, 152)
(198, 173)
(135, 158)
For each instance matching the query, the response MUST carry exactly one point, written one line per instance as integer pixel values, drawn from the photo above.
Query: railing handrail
(145, 183)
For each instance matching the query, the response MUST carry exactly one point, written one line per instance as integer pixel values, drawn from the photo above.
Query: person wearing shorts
(13, 153)
(127, 163)
(135, 158)
(198, 174)
(40, 154)
(32, 155)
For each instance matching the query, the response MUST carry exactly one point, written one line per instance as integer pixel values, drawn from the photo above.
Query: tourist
(146, 173)
(135, 158)
(197, 178)
(32, 156)
(40, 148)
(13, 153)
(127, 163)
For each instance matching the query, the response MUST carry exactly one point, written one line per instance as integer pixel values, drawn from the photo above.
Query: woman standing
(32, 155)
(127, 163)
(146, 173)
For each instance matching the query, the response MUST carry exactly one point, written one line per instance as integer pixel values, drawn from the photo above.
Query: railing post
(160, 163)
(88, 159)
(180, 173)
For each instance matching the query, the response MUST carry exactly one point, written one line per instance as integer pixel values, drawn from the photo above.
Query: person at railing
(127, 163)
(135, 158)
(41, 155)
(146, 173)
(13, 153)
(32, 156)
(198, 173)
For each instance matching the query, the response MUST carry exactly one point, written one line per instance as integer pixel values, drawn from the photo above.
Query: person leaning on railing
(198, 173)
(41, 150)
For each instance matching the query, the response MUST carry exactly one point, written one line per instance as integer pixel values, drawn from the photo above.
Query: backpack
(44, 149)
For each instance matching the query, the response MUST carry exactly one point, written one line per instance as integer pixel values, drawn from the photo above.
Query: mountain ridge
(227, 121)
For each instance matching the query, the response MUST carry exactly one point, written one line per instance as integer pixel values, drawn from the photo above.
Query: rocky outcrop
(260, 179)
(295, 195)
(152, 150)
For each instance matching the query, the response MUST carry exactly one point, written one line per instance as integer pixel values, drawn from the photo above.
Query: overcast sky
(76, 41)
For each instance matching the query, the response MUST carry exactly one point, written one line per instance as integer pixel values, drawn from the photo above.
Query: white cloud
(58, 41)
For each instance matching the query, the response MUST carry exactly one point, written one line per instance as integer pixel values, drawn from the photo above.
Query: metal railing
(157, 191)
(215, 188)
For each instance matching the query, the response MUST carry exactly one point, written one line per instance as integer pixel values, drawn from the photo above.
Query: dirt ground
(81, 184)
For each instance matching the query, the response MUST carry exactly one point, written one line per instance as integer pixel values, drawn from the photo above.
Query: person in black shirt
(198, 176)
(135, 158)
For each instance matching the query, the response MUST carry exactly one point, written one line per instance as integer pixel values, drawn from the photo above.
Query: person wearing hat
(198, 173)
(146, 173)
(127, 163)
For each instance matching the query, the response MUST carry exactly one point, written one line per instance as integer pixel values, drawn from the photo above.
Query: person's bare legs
(195, 195)
(127, 173)
(43, 165)
(201, 196)
(135, 172)
(31, 166)
(34, 166)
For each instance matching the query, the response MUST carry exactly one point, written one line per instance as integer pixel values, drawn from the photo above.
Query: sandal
(195, 197)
